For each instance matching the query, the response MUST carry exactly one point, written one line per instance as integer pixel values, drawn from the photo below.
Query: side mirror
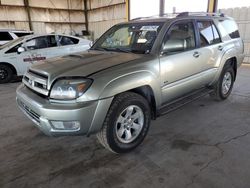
(20, 50)
(174, 45)
(96, 40)
(91, 44)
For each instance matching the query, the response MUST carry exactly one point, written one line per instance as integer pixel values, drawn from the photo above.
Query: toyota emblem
(30, 82)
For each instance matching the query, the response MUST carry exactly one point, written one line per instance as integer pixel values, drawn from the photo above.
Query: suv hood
(82, 64)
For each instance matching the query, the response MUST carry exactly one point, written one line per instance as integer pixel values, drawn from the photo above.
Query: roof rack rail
(171, 15)
(138, 18)
(182, 14)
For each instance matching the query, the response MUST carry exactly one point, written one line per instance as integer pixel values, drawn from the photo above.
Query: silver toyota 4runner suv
(133, 73)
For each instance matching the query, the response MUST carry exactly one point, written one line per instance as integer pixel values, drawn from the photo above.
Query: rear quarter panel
(231, 48)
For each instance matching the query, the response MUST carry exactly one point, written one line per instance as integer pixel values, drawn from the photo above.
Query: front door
(42, 48)
(21, 61)
(37, 48)
(180, 61)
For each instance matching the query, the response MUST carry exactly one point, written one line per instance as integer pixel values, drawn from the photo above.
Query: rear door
(68, 45)
(180, 61)
(210, 48)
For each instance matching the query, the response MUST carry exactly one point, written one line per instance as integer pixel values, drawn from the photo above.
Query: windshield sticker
(141, 40)
(149, 28)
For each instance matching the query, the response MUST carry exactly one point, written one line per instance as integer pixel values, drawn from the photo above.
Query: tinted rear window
(5, 36)
(229, 27)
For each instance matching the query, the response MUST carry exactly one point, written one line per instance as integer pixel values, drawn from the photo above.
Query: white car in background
(7, 35)
(16, 56)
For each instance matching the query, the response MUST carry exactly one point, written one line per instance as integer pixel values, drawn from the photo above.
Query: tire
(6, 74)
(226, 80)
(134, 111)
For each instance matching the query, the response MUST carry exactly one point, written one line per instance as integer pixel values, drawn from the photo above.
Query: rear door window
(208, 33)
(5, 36)
(63, 40)
(51, 41)
(216, 34)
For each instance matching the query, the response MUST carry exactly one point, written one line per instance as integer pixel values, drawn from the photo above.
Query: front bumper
(42, 112)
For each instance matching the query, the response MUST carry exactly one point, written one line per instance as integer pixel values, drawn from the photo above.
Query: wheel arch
(232, 61)
(229, 57)
(147, 92)
(143, 83)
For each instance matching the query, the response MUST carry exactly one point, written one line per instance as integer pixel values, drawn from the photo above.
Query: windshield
(135, 37)
(8, 44)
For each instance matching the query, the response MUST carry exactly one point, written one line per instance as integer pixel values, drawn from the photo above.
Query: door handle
(196, 54)
(220, 48)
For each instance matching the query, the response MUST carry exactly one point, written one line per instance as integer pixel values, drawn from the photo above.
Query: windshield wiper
(121, 50)
(100, 49)
(112, 49)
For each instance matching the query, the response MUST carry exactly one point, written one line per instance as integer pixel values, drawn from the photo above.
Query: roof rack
(139, 18)
(167, 15)
(182, 14)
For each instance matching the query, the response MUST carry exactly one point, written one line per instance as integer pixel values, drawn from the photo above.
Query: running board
(174, 105)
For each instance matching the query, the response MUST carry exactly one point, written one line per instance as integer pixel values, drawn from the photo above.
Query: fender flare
(132, 81)
(228, 54)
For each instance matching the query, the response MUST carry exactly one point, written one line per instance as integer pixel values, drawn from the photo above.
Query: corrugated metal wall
(242, 17)
(102, 14)
(62, 16)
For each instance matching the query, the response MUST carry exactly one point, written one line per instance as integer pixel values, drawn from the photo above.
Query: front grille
(36, 82)
(30, 113)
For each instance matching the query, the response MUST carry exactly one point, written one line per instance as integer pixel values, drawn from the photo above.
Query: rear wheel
(6, 74)
(126, 123)
(225, 84)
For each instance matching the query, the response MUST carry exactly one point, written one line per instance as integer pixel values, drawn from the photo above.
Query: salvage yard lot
(204, 144)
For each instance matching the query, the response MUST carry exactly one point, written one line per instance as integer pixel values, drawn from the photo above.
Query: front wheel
(6, 74)
(224, 86)
(126, 123)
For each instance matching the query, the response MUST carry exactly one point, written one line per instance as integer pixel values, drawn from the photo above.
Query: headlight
(69, 88)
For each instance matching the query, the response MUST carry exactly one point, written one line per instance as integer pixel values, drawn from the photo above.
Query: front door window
(180, 38)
